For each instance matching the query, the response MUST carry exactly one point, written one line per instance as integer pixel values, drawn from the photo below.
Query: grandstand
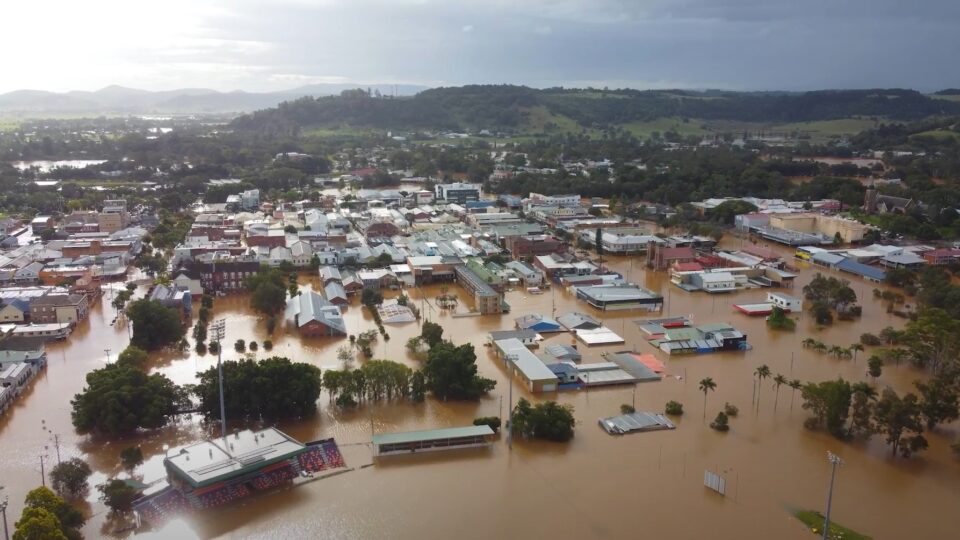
(220, 471)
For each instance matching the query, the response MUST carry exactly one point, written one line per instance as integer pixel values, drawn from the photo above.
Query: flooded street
(596, 486)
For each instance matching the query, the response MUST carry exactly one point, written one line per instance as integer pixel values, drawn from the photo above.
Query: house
(14, 311)
(29, 274)
(404, 274)
(563, 353)
(313, 316)
(329, 273)
(59, 308)
(377, 278)
(173, 297)
(40, 224)
(578, 321)
(189, 280)
(527, 337)
(531, 276)
(538, 323)
(336, 294)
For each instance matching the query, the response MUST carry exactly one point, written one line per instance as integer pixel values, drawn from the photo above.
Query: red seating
(273, 479)
(223, 496)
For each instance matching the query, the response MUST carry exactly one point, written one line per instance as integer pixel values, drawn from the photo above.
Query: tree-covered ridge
(509, 107)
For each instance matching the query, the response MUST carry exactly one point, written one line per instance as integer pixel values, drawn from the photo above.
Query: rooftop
(432, 435)
(217, 459)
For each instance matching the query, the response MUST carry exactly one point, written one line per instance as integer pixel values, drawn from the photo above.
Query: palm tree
(706, 385)
(809, 342)
(762, 373)
(856, 347)
(819, 347)
(795, 385)
(846, 353)
(777, 382)
(836, 351)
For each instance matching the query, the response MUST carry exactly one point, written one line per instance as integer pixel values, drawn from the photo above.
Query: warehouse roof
(432, 435)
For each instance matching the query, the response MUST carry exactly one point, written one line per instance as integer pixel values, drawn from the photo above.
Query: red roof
(942, 252)
(688, 267)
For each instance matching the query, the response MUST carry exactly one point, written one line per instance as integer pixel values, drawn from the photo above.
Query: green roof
(432, 435)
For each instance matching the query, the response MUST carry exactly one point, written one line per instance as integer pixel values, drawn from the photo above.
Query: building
(537, 323)
(519, 360)
(578, 321)
(336, 294)
(562, 353)
(790, 304)
(620, 297)
(313, 316)
(527, 337)
(189, 280)
(59, 308)
(458, 192)
(530, 276)
(848, 230)
(941, 257)
(173, 297)
(225, 274)
(661, 256)
(486, 300)
(525, 247)
(433, 440)
(714, 282)
(41, 223)
(536, 199)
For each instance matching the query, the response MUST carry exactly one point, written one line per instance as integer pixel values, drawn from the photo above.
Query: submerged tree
(706, 385)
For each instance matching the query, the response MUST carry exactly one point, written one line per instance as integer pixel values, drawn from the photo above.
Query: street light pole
(511, 358)
(834, 462)
(3, 510)
(219, 331)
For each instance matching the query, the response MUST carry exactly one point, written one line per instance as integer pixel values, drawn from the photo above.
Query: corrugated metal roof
(432, 435)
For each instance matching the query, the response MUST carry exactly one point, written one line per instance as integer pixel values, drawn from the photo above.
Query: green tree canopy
(451, 372)
(272, 388)
(548, 420)
(42, 501)
(154, 325)
(69, 478)
(132, 356)
(120, 399)
(431, 333)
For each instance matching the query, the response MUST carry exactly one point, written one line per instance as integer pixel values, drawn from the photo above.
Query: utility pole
(56, 445)
(3, 510)
(835, 461)
(219, 331)
(43, 472)
(108, 354)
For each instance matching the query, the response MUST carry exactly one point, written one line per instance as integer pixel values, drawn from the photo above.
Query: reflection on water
(595, 486)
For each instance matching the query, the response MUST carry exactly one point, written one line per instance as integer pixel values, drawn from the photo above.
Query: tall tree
(451, 372)
(900, 419)
(706, 385)
(778, 381)
(69, 478)
(120, 399)
(154, 325)
(762, 372)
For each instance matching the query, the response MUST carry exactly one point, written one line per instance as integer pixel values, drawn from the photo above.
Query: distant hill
(121, 100)
(518, 108)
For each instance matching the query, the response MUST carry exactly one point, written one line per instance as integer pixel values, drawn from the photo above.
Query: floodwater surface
(596, 486)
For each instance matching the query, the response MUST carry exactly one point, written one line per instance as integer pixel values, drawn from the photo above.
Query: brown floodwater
(596, 486)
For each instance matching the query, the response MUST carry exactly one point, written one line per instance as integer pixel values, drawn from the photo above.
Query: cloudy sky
(262, 45)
